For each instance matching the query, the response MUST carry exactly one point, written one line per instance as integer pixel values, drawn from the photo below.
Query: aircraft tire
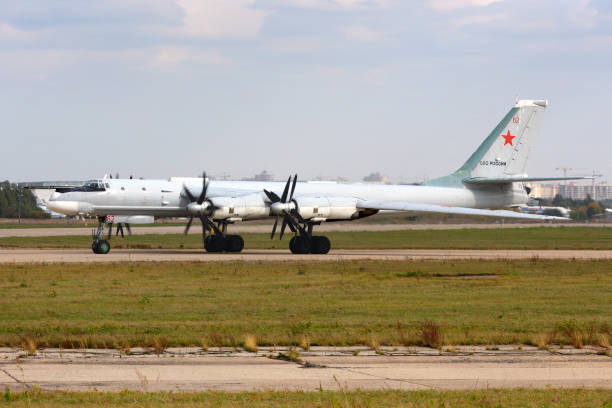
(301, 245)
(214, 243)
(101, 247)
(292, 245)
(320, 245)
(234, 243)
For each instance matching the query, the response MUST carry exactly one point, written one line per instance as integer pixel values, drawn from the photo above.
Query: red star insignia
(508, 138)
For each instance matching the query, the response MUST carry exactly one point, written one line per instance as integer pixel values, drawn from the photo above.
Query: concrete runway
(410, 369)
(194, 255)
(264, 228)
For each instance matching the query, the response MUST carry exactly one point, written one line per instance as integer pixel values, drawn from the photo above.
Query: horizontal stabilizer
(442, 209)
(495, 180)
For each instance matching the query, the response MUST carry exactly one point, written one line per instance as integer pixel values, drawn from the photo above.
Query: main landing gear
(303, 242)
(215, 236)
(219, 241)
(317, 244)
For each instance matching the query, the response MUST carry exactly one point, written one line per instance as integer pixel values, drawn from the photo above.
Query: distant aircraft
(538, 209)
(492, 177)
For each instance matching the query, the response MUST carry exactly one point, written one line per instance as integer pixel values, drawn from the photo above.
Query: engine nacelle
(243, 207)
(130, 219)
(326, 208)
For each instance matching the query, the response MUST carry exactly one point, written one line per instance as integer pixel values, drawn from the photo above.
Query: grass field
(516, 238)
(526, 398)
(328, 303)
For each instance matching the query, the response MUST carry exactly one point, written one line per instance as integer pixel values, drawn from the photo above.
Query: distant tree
(558, 200)
(9, 202)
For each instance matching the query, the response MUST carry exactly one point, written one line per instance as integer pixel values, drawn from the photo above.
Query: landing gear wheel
(320, 245)
(101, 247)
(234, 243)
(301, 245)
(214, 243)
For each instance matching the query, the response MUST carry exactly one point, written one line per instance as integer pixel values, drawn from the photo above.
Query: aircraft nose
(63, 207)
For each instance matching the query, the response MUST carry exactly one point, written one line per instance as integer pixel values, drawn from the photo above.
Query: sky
(324, 88)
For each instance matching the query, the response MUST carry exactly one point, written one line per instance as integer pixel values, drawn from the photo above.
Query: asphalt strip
(161, 255)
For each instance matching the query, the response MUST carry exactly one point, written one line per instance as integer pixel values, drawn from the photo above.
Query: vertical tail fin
(505, 152)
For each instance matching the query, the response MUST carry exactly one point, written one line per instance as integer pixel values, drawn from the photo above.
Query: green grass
(81, 224)
(333, 303)
(525, 398)
(515, 238)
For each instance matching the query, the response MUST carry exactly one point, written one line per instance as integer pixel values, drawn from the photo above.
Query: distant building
(263, 176)
(545, 191)
(375, 178)
(576, 191)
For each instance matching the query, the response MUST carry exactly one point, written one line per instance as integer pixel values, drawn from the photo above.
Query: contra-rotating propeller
(286, 207)
(197, 205)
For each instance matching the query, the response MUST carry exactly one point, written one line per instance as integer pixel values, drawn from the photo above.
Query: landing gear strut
(99, 245)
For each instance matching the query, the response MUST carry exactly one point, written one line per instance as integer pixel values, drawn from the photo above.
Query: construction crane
(566, 169)
(593, 191)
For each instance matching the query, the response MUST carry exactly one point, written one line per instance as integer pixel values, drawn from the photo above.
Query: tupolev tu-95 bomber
(492, 177)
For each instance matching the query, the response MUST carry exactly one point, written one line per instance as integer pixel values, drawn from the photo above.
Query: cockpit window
(91, 185)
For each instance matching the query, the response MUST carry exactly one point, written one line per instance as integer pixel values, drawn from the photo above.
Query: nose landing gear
(99, 245)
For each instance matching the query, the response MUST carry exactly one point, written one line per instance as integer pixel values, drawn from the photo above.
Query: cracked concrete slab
(192, 369)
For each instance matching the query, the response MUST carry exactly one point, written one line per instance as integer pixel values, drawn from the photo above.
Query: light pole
(19, 198)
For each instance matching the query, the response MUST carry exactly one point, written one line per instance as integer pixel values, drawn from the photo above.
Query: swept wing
(442, 209)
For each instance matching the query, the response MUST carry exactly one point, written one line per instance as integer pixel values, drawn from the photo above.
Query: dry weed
(305, 342)
(29, 345)
(250, 343)
(159, 345)
(373, 343)
(431, 334)
(603, 340)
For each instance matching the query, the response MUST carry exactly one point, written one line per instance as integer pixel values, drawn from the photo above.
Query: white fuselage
(166, 198)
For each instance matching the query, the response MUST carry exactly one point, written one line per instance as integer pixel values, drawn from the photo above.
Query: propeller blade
(274, 228)
(188, 194)
(290, 221)
(286, 190)
(282, 232)
(202, 196)
(188, 225)
(272, 196)
(293, 187)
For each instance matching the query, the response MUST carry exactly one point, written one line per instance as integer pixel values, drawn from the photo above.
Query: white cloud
(361, 33)
(447, 5)
(582, 14)
(219, 19)
(169, 56)
(11, 33)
